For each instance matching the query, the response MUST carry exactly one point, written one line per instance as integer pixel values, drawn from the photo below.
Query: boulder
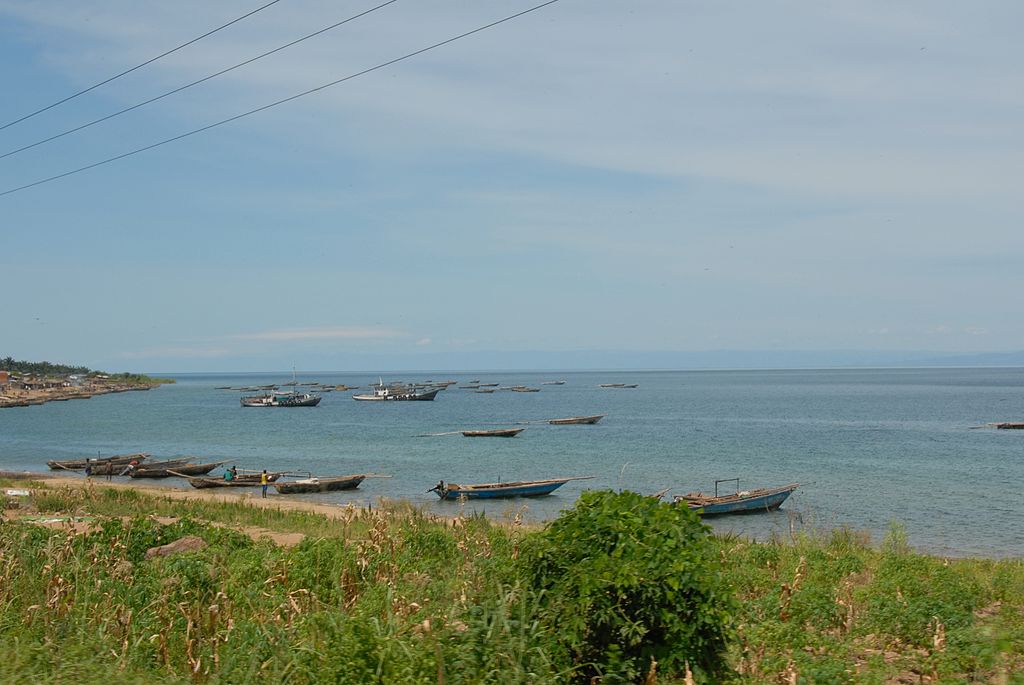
(186, 544)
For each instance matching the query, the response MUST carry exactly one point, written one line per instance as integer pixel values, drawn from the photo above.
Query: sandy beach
(250, 496)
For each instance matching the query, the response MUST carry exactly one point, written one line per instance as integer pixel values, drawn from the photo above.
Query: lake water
(868, 447)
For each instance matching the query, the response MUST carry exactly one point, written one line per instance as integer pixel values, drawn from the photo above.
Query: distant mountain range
(634, 360)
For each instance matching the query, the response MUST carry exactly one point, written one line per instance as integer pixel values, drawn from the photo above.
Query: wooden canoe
(742, 502)
(576, 420)
(243, 481)
(182, 471)
(306, 485)
(524, 488)
(79, 464)
(496, 433)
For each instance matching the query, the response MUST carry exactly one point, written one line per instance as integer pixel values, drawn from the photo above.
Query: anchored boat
(739, 502)
(496, 433)
(525, 488)
(305, 485)
(383, 393)
(576, 419)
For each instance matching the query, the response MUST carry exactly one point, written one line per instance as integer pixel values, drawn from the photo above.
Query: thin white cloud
(327, 333)
(424, 341)
(183, 352)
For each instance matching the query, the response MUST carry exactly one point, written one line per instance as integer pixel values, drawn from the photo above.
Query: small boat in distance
(619, 385)
(739, 502)
(313, 484)
(496, 433)
(1010, 425)
(282, 399)
(383, 393)
(553, 383)
(525, 488)
(576, 420)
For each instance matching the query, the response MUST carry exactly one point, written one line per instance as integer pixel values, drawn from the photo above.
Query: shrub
(624, 580)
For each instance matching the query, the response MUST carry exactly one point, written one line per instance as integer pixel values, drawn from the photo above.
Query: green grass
(393, 595)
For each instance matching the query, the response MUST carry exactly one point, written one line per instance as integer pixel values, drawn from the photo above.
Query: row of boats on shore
(140, 466)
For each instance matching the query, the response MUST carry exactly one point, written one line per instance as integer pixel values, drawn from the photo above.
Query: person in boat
(88, 468)
(263, 482)
(437, 488)
(229, 474)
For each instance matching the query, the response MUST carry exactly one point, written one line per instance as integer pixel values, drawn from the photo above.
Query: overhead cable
(194, 83)
(139, 66)
(279, 102)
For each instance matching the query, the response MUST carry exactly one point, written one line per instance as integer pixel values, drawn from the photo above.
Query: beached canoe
(243, 481)
(182, 471)
(525, 488)
(306, 485)
(741, 502)
(79, 464)
(576, 420)
(496, 433)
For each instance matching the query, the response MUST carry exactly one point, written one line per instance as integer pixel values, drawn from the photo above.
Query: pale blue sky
(646, 175)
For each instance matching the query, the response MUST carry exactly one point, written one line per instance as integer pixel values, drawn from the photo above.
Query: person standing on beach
(263, 482)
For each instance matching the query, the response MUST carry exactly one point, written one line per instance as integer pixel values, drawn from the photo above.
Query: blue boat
(524, 488)
(739, 502)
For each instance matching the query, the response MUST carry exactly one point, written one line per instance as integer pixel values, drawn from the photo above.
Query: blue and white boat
(524, 488)
(739, 502)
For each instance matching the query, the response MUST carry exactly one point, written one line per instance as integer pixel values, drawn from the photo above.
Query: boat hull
(503, 433)
(757, 501)
(427, 396)
(576, 420)
(79, 464)
(183, 470)
(201, 482)
(281, 401)
(454, 492)
(322, 485)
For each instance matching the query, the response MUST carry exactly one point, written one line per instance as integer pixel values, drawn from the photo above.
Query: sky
(648, 176)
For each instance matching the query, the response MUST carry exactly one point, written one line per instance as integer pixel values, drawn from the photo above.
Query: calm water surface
(868, 447)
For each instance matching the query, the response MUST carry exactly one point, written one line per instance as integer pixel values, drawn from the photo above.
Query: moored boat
(576, 420)
(183, 470)
(79, 464)
(282, 399)
(526, 488)
(739, 502)
(383, 393)
(240, 481)
(496, 433)
(306, 485)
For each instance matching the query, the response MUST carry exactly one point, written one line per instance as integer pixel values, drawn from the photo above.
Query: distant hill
(625, 359)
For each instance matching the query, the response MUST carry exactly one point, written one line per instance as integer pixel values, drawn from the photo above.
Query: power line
(195, 83)
(279, 102)
(139, 66)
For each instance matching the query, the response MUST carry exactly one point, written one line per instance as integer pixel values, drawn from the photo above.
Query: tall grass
(393, 595)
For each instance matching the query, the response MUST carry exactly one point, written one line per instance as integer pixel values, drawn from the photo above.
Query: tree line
(23, 367)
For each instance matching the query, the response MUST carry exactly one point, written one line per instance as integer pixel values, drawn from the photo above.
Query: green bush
(624, 580)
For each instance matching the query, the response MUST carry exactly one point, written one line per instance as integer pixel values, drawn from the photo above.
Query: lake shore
(29, 398)
(249, 496)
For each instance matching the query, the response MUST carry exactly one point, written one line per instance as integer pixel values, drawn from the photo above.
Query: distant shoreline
(28, 398)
